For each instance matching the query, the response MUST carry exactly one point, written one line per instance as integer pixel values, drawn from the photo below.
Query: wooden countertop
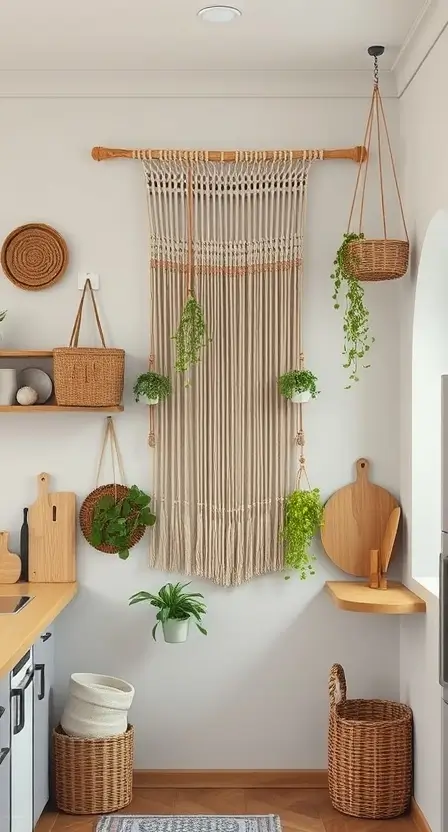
(19, 631)
(356, 596)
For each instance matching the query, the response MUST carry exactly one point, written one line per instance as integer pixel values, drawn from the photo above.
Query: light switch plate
(93, 277)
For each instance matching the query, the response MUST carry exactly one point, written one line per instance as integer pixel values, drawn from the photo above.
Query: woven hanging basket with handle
(369, 753)
(88, 376)
(382, 259)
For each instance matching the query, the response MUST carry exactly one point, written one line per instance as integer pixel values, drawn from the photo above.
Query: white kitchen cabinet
(5, 755)
(43, 694)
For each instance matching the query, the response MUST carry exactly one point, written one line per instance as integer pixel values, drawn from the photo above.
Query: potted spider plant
(175, 610)
(357, 337)
(152, 388)
(302, 518)
(298, 386)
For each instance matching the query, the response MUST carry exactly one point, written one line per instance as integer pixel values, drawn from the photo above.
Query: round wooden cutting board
(355, 520)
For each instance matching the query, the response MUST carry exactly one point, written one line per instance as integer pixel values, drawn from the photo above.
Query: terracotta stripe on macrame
(224, 458)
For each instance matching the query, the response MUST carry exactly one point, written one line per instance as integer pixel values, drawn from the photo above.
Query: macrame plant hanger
(382, 259)
(302, 475)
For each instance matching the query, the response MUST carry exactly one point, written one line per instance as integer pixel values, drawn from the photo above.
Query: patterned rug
(189, 823)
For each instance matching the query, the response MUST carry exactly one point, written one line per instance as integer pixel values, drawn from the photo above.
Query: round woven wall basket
(88, 507)
(377, 259)
(34, 256)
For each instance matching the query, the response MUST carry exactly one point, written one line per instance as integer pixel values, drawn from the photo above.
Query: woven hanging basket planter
(369, 753)
(376, 259)
(119, 492)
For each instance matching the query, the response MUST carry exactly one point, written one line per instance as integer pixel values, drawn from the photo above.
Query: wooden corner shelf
(356, 596)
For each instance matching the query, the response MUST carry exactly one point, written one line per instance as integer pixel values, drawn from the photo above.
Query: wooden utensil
(374, 569)
(388, 544)
(52, 535)
(355, 520)
(10, 564)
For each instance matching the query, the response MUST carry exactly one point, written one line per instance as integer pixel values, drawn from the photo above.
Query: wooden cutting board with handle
(52, 535)
(10, 564)
(355, 520)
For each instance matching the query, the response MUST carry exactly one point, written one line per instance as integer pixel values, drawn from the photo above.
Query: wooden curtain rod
(101, 154)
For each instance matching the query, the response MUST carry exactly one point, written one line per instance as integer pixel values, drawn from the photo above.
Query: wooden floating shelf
(355, 596)
(26, 353)
(55, 408)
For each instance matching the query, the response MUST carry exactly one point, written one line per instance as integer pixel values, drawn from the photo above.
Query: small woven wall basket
(34, 256)
(93, 776)
(88, 376)
(377, 259)
(369, 753)
(87, 509)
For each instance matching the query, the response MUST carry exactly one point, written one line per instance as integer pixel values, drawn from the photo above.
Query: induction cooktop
(10, 604)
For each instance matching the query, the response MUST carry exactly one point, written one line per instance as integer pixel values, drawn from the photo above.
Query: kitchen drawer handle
(19, 694)
(40, 668)
(46, 636)
(3, 754)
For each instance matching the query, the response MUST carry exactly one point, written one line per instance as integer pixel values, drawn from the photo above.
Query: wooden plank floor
(301, 810)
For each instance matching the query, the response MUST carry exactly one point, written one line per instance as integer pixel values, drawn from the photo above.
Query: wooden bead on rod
(100, 154)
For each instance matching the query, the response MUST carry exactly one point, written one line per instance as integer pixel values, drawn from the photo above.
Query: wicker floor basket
(93, 776)
(369, 753)
(377, 259)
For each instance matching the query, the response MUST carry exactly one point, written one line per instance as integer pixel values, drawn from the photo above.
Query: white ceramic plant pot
(97, 706)
(301, 398)
(147, 400)
(8, 386)
(175, 631)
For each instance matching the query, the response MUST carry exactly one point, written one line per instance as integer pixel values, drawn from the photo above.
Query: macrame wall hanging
(226, 230)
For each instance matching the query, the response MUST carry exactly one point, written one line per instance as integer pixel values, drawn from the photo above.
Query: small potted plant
(116, 523)
(175, 609)
(357, 338)
(152, 388)
(302, 518)
(298, 385)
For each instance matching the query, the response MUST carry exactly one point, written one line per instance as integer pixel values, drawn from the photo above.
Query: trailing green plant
(191, 335)
(173, 603)
(357, 337)
(298, 381)
(153, 386)
(302, 518)
(115, 522)
(3, 315)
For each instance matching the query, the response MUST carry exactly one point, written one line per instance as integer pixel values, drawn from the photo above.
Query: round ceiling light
(219, 14)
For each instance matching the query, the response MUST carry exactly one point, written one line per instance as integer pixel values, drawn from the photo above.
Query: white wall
(254, 693)
(424, 127)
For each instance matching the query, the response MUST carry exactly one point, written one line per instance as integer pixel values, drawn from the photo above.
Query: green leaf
(104, 503)
(154, 629)
(124, 554)
(202, 629)
(146, 518)
(125, 508)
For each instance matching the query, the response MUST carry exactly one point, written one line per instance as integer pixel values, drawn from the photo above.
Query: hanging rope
(152, 357)
(300, 438)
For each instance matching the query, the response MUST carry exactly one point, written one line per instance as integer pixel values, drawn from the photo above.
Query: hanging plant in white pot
(298, 386)
(175, 608)
(152, 388)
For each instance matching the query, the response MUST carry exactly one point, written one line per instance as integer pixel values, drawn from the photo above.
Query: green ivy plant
(173, 603)
(152, 386)
(114, 522)
(297, 381)
(357, 338)
(191, 335)
(302, 518)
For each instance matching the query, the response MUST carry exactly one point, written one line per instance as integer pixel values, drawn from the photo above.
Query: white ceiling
(166, 34)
